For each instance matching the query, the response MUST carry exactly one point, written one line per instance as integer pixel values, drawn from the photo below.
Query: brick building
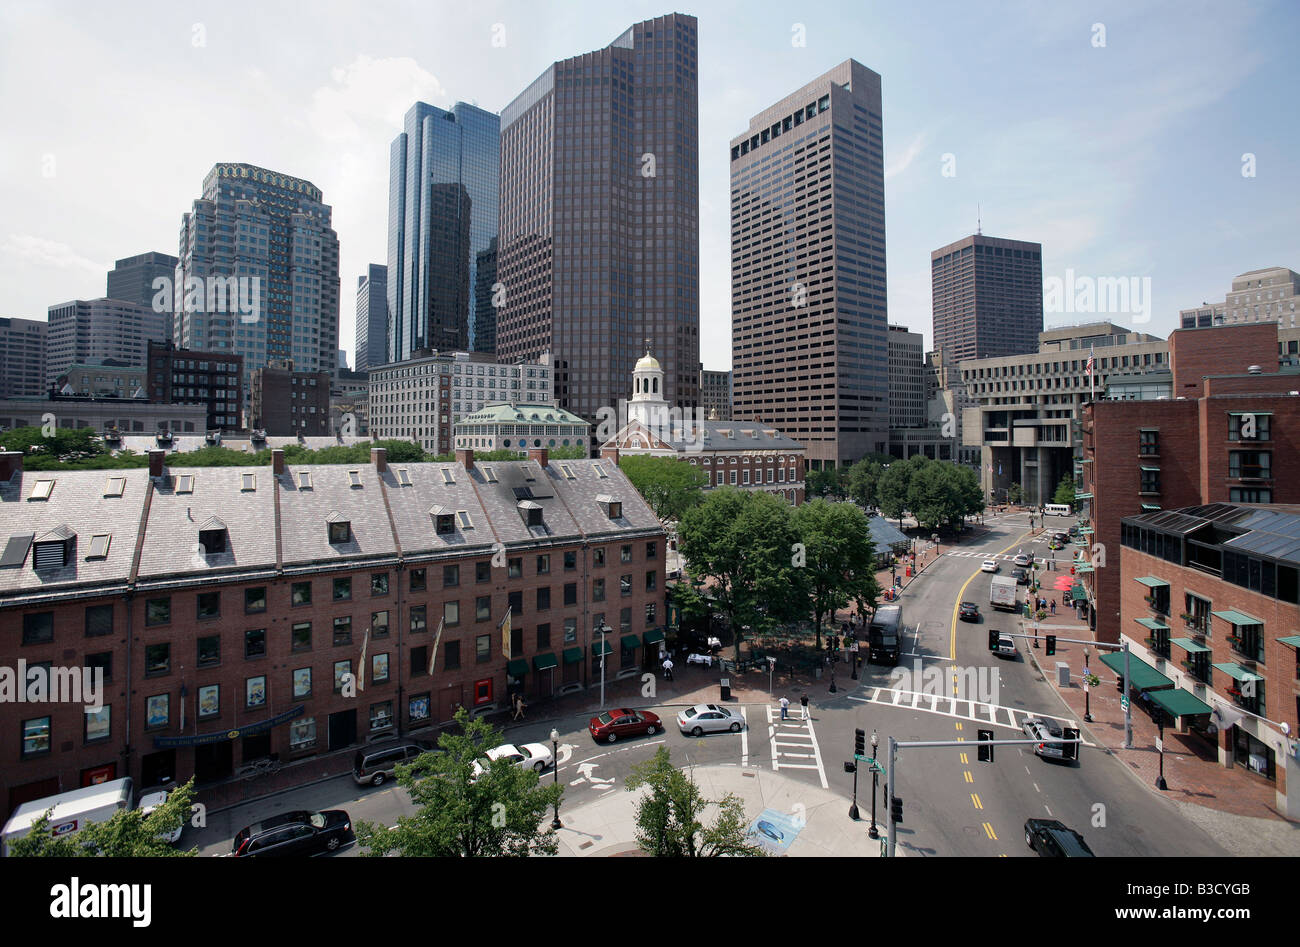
(226, 605)
(212, 379)
(1214, 442)
(290, 402)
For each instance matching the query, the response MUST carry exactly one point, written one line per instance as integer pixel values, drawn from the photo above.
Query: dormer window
(247, 482)
(54, 550)
(212, 536)
(531, 511)
(612, 506)
(340, 529)
(114, 486)
(444, 520)
(41, 490)
(354, 478)
(304, 480)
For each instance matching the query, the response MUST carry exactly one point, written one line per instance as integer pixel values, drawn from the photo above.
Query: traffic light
(993, 639)
(896, 810)
(1051, 645)
(985, 752)
(831, 643)
(860, 742)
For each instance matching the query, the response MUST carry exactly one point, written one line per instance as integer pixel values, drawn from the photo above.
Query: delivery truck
(72, 810)
(1002, 592)
(883, 634)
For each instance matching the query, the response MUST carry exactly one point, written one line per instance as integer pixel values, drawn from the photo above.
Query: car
(613, 724)
(150, 801)
(378, 763)
(1055, 544)
(1048, 732)
(1073, 531)
(989, 565)
(1061, 537)
(968, 611)
(1022, 559)
(709, 718)
(1021, 576)
(1053, 839)
(1006, 647)
(534, 756)
(295, 833)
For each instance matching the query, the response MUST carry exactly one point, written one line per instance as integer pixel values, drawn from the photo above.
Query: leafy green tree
(839, 557)
(669, 818)
(864, 482)
(893, 488)
(498, 812)
(128, 834)
(399, 452)
(1065, 491)
(744, 542)
(818, 483)
(1014, 493)
(669, 485)
(572, 452)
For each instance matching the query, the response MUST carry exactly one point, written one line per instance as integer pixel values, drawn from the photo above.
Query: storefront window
(302, 734)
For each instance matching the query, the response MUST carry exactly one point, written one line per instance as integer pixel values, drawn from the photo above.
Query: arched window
(656, 386)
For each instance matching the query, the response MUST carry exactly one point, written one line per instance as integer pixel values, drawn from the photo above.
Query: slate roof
(713, 436)
(304, 537)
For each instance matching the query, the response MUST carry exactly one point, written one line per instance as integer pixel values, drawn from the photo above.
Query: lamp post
(1160, 746)
(555, 765)
(604, 629)
(875, 780)
(1087, 689)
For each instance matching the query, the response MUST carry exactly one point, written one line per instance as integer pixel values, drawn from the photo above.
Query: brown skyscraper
(808, 319)
(599, 221)
(988, 297)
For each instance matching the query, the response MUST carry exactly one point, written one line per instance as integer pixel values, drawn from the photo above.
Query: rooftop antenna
(978, 228)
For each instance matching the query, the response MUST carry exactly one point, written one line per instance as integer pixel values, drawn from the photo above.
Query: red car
(612, 724)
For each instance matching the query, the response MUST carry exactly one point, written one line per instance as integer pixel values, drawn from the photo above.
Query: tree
(1065, 491)
(669, 485)
(128, 834)
(669, 819)
(839, 557)
(498, 812)
(572, 452)
(819, 483)
(744, 541)
(893, 488)
(1014, 493)
(864, 482)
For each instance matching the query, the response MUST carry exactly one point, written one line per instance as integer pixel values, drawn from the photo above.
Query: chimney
(379, 457)
(465, 457)
(540, 454)
(609, 453)
(277, 462)
(156, 458)
(10, 461)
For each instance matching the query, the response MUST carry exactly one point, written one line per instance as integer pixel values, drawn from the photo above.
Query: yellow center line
(965, 760)
(956, 606)
(969, 777)
(959, 725)
(988, 830)
(975, 799)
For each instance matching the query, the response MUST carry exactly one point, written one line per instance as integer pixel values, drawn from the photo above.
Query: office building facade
(134, 279)
(372, 318)
(214, 380)
(88, 330)
(1267, 295)
(808, 313)
(290, 402)
(715, 395)
(23, 351)
(987, 297)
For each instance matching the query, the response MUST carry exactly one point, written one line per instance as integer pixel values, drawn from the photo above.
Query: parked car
(968, 611)
(614, 724)
(1006, 647)
(378, 763)
(1022, 559)
(295, 833)
(989, 565)
(1049, 732)
(1051, 838)
(534, 756)
(1073, 531)
(709, 718)
(1061, 537)
(1021, 576)
(150, 801)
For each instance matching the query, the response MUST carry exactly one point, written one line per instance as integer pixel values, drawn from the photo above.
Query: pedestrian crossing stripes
(794, 744)
(960, 708)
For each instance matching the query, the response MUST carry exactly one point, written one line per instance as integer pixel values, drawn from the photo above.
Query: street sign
(1123, 702)
(1160, 745)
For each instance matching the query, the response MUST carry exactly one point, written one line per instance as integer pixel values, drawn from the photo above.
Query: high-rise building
(133, 279)
(486, 299)
(1267, 295)
(22, 357)
(988, 297)
(261, 246)
(90, 330)
(715, 395)
(442, 213)
(906, 378)
(599, 246)
(808, 315)
(372, 318)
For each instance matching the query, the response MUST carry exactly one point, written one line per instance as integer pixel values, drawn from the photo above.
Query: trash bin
(817, 672)
(1062, 674)
(725, 688)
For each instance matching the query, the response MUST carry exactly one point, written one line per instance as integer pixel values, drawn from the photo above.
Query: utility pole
(889, 791)
(1128, 703)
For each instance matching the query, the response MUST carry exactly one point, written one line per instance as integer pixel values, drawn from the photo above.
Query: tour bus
(882, 635)
(1056, 509)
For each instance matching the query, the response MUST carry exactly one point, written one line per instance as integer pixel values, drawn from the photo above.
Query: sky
(1131, 139)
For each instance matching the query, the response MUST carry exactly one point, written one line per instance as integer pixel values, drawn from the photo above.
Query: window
(483, 649)
(343, 630)
(340, 532)
(99, 620)
(570, 630)
(302, 682)
(625, 621)
(342, 675)
(255, 600)
(1250, 495)
(625, 554)
(38, 628)
(515, 568)
(598, 590)
(417, 580)
(625, 585)
(483, 571)
(255, 691)
(1249, 427)
(379, 624)
(36, 737)
(463, 517)
(158, 611)
(570, 560)
(419, 661)
(379, 668)
(157, 659)
(41, 490)
(598, 557)
(650, 612)
(543, 636)
(571, 593)
(300, 636)
(451, 613)
(379, 583)
(515, 602)
(652, 550)
(483, 608)
(302, 734)
(342, 590)
(419, 617)
(381, 714)
(451, 656)
(209, 605)
(99, 544)
(209, 651)
(1250, 464)
(450, 576)
(543, 565)
(1148, 442)
(1150, 480)
(300, 593)
(544, 599)
(209, 701)
(102, 662)
(651, 581)
(255, 643)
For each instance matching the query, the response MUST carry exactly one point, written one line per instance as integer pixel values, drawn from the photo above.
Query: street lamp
(604, 630)
(875, 780)
(1087, 691)
(555, 748)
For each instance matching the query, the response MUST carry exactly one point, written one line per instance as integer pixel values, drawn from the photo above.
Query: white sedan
(151, 801)
(989, 565)
(534, 756)
(709, 718)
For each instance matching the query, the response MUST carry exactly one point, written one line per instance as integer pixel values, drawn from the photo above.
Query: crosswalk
(959, 708)
(1061, 555)
(794, 742)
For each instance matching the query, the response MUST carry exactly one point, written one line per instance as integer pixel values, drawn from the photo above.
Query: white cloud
(373, 92)
(38, 251)
(900, 164)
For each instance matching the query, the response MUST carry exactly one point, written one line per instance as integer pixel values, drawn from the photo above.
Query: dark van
(375, 764)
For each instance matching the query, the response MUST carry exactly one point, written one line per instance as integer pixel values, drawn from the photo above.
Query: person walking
(668, 669)
(1053, 606)
(803, 701)
(519, 707)
(785, 708)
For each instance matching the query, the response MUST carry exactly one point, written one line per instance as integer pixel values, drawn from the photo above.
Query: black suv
(378, 763)
(1050, 838)
(295, 833)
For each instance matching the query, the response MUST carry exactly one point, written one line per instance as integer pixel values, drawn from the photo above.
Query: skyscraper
(23, 345)
(485, 313)
(442, 214)
(259, 264)
(372, 318)
(132, 278)
(599, 247)
(88, 330)
(988, 297)
(808, 318)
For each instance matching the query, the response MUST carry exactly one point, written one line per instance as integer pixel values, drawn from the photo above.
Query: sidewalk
(817, 817)
(1236, 808)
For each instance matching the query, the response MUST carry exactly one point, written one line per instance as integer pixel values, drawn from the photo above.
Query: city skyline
(1105, 163)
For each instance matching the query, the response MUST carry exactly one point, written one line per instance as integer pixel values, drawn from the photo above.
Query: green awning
(1251, 412)
(1085, 530)
(1143, 676)
(1150, 469)
(653, 637)
(601, 648)
(1083, 496)
(1179, 703)
(1152, 624)
(629, 642)
(1150, 507)
(1079, 594)
(1152, 582)
(1236, 618)
(518, 667)
(1190, 646)
(1086, 460)
(1292, 640)
(1237, 672)
(572, 655)
(1083, 568)
(544, 662)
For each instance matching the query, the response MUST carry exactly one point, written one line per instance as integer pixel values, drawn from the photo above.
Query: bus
(883, 634)
(1056, 509)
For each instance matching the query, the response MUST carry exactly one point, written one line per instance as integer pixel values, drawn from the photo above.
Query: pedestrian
(1053, 606)
(804, 703)
(519, 707)
(785, 708)
(668, 669)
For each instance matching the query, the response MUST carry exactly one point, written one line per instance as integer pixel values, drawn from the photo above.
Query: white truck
(1002, 592)
(72, 810)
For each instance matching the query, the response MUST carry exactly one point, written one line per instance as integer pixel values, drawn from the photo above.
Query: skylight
(354, 478)
(248, 481)
(447, 476)
(403, 476)
(465, 521)
(99, 546)
(568, 472)
(185, 483)
(490, 474)
(41, 491)
(304, 480)
(114, 486)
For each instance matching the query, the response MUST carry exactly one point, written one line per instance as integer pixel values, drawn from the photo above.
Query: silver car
(709, 718)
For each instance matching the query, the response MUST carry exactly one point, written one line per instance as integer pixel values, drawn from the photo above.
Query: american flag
(1092, 359)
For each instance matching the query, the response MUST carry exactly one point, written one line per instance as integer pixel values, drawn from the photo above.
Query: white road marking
(1036, 789)
(975, 714)
(744, 739)
(799, 730)
(1049, 811)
